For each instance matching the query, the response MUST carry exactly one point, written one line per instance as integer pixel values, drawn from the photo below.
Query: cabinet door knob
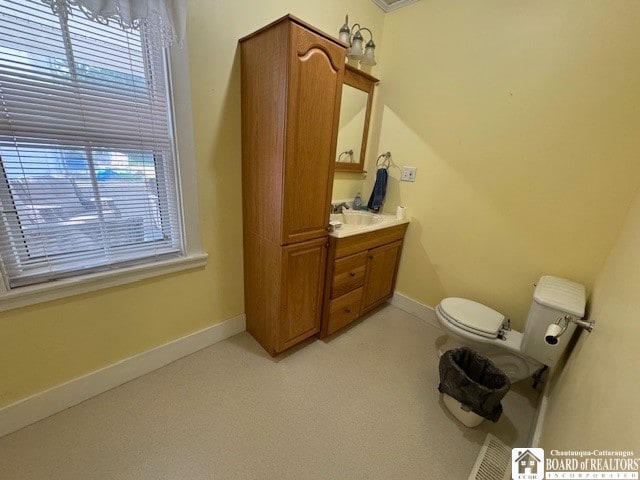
(353, 274)
(347, 309)
(371, 257)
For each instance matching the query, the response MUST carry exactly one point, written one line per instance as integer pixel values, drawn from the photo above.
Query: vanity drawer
(344, 310)
(348, 274)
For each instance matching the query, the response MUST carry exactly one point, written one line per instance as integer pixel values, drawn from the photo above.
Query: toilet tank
(553, 298)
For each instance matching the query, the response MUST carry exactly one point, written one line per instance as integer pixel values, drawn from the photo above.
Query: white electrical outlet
(408, 174)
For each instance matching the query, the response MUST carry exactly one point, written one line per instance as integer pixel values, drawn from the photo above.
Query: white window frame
(182, 128)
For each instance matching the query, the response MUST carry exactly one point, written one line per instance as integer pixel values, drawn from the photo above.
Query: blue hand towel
(379, 190)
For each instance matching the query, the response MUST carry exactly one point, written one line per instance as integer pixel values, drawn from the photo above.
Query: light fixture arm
(366, 30)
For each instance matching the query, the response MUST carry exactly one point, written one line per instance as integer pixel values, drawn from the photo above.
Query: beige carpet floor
(363, 404)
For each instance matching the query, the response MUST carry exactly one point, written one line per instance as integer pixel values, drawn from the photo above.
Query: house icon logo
(527, 464)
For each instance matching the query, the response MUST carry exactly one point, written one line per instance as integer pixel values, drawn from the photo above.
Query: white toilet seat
(477, 326)
(471, 316)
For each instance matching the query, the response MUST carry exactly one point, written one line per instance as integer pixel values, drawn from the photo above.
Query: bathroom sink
(359, 218)
(363, 219)
(356, 222)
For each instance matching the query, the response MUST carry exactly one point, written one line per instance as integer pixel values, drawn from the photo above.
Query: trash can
(475, 382)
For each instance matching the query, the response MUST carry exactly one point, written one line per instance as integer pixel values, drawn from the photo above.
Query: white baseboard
(543, 403)
(415, 308)
(43, 404)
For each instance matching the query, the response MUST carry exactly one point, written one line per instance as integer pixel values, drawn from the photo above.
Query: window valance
(165, 18)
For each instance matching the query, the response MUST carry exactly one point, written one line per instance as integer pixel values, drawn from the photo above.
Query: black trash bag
(474, 381)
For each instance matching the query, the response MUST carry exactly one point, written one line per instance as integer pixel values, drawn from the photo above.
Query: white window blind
(88, 176)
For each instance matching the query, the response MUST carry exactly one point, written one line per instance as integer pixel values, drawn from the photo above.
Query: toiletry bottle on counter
(357, 202)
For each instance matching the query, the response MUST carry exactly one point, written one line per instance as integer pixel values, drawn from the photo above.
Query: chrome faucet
(339, 207)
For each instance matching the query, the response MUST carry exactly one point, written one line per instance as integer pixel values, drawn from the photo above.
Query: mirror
(355, 112)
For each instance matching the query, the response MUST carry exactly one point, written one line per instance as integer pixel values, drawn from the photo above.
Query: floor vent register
(494, 461)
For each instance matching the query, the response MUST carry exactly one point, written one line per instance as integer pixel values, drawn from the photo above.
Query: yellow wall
(45, 345)
(347, 184)
(593, 403)
(522, 118)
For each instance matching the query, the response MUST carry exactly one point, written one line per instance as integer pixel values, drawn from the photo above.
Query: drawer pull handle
(353, 274)
(347, 309)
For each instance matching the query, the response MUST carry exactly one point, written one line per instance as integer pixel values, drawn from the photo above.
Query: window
(88, 175)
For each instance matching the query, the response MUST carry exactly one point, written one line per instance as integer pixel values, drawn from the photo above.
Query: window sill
(24, 296)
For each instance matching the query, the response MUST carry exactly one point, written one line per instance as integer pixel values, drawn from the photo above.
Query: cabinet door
(379, 280)
(315, 89)
(301, 289)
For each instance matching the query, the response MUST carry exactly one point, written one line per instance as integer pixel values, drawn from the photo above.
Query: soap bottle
(357, 202)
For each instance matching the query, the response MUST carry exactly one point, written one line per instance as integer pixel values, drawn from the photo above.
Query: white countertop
(379, 221)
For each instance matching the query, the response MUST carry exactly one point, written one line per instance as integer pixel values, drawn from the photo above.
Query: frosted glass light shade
(345, 32)
(369, 58)
(355, 51)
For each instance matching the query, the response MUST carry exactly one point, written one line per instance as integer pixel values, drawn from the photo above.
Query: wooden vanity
(361, 275)
(292, 78)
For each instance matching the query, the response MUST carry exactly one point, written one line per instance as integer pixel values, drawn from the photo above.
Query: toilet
(518, 355)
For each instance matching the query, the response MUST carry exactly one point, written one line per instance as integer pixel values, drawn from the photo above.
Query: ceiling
(390, 5)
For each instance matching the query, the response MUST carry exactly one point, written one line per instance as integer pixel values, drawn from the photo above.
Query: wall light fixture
(353, 38)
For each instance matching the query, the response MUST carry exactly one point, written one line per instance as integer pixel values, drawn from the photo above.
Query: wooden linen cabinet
(292, 78)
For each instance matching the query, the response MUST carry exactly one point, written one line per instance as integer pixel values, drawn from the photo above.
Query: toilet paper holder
(554, 331)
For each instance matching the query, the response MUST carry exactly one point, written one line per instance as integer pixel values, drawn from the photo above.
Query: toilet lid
(472, 316)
